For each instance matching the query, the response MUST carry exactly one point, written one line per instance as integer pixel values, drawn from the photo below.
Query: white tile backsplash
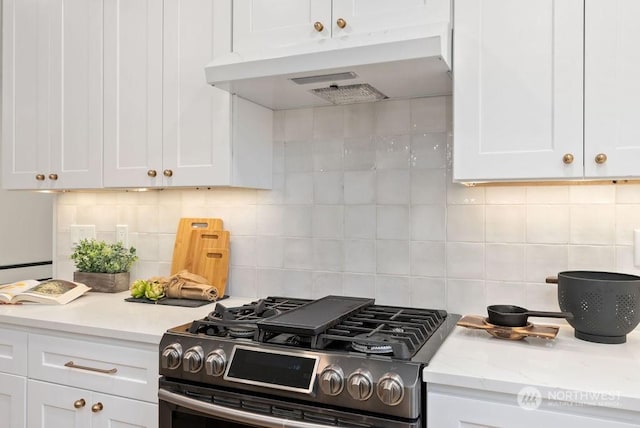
(363, 205)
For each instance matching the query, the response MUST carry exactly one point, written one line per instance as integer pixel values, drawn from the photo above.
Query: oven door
(190, 406)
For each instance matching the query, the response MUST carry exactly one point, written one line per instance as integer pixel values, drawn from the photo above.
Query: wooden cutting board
(213, 264)
(201, 239)
(182, 248)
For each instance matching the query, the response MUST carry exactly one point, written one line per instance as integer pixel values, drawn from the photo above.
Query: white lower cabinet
(64, 380)
(471, 409)
(12, 400)
(55, 406)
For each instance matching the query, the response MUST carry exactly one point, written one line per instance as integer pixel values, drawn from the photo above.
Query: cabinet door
(517, 89)
(76, 94)
(196, 117)
(450, 411)
(13, 400)
(52, 94)
(26, 59)
(55, 406)
(133, 93)
(265, 24)
(122, 412)
(370, 16)
(612, 88)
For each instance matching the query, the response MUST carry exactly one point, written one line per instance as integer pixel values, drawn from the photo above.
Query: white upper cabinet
(164, 125)
(306, 25)
(529, 105)
(518, 89)
(52, 94)
(612, 88)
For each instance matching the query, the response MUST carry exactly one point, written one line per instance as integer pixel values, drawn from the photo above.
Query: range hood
(342, 71)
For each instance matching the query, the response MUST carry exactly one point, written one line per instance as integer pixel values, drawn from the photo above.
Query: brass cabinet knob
(40, 177)
(567, 158)
(152, 173)
(78, 404)
(53, 176)
(318, 26)
(341, 23)
(167, 173)
(601, 158)
(97, 407)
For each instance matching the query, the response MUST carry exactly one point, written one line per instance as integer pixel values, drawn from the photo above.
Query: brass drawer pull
(318, 26)
(78, 404)
(73, 365)
(97, 407)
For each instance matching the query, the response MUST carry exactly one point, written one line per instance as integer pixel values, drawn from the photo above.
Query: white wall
(363, 205)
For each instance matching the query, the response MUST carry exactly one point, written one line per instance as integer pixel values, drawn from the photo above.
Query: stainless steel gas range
(286, 362)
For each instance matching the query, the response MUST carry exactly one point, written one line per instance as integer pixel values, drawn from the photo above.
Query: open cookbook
(51, 291)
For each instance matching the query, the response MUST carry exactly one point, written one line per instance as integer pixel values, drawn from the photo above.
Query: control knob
(332, 380)
(171, 356)
(360, 385)
(215, 363)
(193, 359)
(390, 389)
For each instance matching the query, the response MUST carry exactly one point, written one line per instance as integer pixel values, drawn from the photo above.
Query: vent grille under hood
(406, 68)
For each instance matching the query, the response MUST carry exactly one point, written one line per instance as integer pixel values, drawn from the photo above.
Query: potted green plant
(102, 266)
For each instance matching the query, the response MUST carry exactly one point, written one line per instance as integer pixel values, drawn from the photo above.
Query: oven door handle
(234, 415)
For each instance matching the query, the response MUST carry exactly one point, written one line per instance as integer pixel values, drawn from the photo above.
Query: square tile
(270, 251)
(392, 151)
(465, 223)
(466, 296)
(360, 256)
(326, 284)
(298, 188)
(507, 293)
(360, 221)
(243, 251)
(428, 222)
(359, 153)
(270, 282)
(328, 187)
(592, 257)
(393, 222)
(242, 282)
(298, 156)
(270, 219)
(508, 195)
(505, 223)
(358, 120)
(504, 262)
(359, 187)
(542, 261)
(298, 253)
(592, 224)
(328, 122)
(393, 187)
(428, 293)
(297, 284)
(393, 257)
(298, 221)
(328, 254)
(597, 194)
(298, 124)
(391, 117)
(328, 221)
(328, 154)
(429, 114)
(465, 260)
(429, 150)
(359, 285)
(428, 186)
(627, 220)
(547, 224)
(547, 195)
(428, 259)
(393, 290)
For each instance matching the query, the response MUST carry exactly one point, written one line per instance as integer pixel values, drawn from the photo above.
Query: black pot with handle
(605, 305)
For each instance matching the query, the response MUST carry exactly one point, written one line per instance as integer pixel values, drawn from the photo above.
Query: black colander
(605, 305)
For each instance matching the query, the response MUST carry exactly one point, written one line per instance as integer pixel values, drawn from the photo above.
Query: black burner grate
(395, 331)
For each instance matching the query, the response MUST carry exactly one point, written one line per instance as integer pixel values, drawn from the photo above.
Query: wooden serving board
(182, 247)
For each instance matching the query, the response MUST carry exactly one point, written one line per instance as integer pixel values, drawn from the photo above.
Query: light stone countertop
(564, 368)
(108, 315)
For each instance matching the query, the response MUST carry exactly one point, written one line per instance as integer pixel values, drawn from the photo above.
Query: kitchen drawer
(118, 368)
(13, 352)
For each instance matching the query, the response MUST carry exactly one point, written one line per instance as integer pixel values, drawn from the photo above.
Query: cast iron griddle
(314, 317)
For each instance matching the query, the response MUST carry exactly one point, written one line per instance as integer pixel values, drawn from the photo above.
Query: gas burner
(372, 344)
(240, 332)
